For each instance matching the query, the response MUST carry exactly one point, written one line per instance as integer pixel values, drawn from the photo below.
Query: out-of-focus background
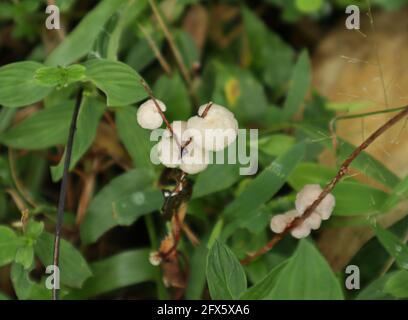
(241, 54)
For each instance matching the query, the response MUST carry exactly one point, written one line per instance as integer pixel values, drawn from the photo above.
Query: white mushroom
(148, 116)
(214, 131)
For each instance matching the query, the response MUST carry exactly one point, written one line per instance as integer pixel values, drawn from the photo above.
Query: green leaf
(107, 44)
(118, 81)
(64, 5)
(25, 256)
(252, 102)
(299, 87)
(24, 287)
(135, 138)
(59, 76)
(74, 269)
(307, 276)
(34, 229)
(375, 290)
(364, 163)
(236, 88)
(9, 244)
(264, 288)
(188, 48)
(276, 144)
(352, 197)
(309, 6)
(173, 92)
(122, 201)
(118, 271)
(270, 56)
(225, 275)
(89, 116)
(127, 14)
(80, 41)
(262, 188)
(394, 246)
(129, 208)
(18, 86)
(397, 285)
(3, 296)
(46, 128)
(141, 54)
(398, 193)
(215, 178)
(196, 282)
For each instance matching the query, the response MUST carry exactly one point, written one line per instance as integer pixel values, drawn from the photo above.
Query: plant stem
(19, 185)
(162, 60)
(172, 43)
(159, 110)
(176, 52)
(63, 187)
(207, 108)
(329, 187)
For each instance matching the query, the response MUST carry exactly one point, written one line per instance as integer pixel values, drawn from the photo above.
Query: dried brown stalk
(176, 52)
(171, 41)
(162, 60)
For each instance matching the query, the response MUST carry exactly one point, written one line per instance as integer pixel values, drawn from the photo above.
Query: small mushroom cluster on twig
(186, 144)
(304, 199)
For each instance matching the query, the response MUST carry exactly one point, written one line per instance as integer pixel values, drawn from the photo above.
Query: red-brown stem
(159, 110)
(329, 187)
(207, 108)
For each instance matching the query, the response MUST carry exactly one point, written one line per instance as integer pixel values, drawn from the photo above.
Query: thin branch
(88, 183)
(19, 185)
(159, 110)
(172, 43)
(63, 187)
(333, 122)
(162, 60)
(329, 187)
(377, 54)
(207, 108)
(176, 52)
(25, 212)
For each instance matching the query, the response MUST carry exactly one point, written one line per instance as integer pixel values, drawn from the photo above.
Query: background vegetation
(251, 56)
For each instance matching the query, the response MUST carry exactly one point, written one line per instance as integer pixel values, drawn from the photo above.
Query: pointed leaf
(18, 85)
(118, 81)
(225, 275)
(307, 276)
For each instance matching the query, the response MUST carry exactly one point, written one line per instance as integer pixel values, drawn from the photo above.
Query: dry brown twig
(185, 72)
(172, 43)
(19, 185)
(88, 186)
(162, 60)
(329, 187)
(159, 110)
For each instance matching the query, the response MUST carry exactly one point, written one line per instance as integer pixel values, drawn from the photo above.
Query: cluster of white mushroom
(187, 144)
(304, 199)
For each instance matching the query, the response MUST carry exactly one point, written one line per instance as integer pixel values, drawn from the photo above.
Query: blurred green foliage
(259, 73)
